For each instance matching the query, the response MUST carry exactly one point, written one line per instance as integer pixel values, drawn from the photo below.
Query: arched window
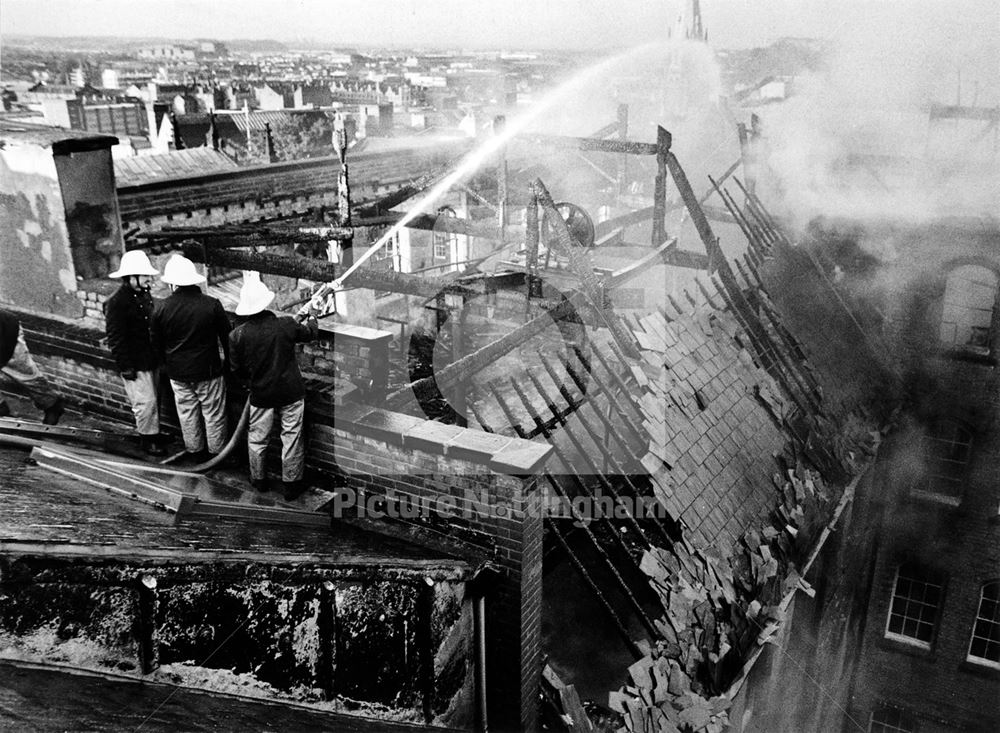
(967, 317)
(947, 449)
(443, 240)
(916, 599)
(984, 648)
(891, 720)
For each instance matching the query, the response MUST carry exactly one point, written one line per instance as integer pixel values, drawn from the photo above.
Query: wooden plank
(185, 497)
(114, 481)
(574, 709)
(43, 432)
(258, 513)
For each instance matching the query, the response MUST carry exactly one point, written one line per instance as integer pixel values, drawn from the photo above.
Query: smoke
(856, 139)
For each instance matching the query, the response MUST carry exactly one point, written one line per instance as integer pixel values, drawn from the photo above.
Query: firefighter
(16, 365)
(188, 329)
(262, 355)
(127, 316)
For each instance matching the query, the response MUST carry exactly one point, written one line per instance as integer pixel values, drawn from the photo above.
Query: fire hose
(241, 426)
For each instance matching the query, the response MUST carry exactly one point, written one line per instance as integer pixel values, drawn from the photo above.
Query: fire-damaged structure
(541, 398)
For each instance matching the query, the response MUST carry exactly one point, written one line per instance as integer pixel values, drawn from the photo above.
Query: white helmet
(255, 296)
(134, 263)
(180, 271)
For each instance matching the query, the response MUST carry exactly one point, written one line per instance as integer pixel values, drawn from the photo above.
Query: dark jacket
(10, 327)
(187, 329)
(262, 353)
(127, 316)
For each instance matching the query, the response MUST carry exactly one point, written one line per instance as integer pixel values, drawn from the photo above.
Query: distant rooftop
(15, 130)
(139, 169)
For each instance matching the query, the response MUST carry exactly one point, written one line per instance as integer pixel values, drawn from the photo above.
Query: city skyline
(515, 24)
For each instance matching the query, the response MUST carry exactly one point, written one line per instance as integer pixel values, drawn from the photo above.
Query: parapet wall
(482, 487)
(473, 488)
(355, 354)
(383, 642)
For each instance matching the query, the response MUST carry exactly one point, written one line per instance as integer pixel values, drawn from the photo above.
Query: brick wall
(483, 495)
(356, 354)
(894, 277)
(938, 686)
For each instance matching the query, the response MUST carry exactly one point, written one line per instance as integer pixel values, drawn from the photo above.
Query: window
(385, 255)
(947, 449)
(985, 645)
(967, 318)
(891, 720)
(916, 598)
(443, 240)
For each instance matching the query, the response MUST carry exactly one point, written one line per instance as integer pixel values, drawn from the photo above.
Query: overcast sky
(597, 24)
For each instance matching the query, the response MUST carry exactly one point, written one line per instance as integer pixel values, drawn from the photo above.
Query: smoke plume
(858, 140)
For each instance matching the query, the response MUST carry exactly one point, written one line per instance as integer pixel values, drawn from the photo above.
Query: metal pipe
(479, 622)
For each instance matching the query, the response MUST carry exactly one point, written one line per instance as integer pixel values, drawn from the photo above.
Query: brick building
(903, 633)
(930, 654)
(709, 408)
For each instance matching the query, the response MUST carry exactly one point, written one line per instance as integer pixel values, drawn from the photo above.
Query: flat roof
(50, 514)
(60, 139)
(50, 699)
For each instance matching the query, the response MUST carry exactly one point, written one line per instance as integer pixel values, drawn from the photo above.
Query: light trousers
(142, 395)
(293, 450)
(197, 402)
(22, 370)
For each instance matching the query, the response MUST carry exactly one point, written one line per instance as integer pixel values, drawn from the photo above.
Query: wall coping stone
(361, 333)
(500, 453)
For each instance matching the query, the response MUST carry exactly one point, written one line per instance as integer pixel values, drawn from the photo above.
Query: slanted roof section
(140, 169)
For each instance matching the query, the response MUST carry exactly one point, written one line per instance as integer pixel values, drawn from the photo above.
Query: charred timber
(320, 271)
(715, 256)
(590, 143)
(240, 238)
(580, 267)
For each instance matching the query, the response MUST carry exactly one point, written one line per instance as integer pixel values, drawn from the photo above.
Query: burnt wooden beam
(660, 187)
(716, 257)
(322, 271)
(589, 143)
(236, 238)
(580, 267)
(622, 159)
(685, 258)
